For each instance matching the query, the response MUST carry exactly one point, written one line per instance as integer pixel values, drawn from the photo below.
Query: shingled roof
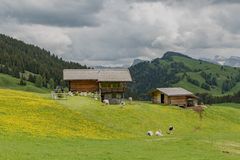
(106, 75)
(175, 91)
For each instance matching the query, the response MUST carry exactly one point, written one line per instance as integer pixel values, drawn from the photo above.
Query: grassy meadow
(32, 126)
(221, 73)
(9, 82)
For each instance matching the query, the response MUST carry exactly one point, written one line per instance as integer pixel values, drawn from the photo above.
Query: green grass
(207, 67)
(191, 87)
(152, 149)
(36, 127)
(7, 81)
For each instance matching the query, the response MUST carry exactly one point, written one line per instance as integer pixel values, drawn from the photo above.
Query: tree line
(207, 98)
(42, 67)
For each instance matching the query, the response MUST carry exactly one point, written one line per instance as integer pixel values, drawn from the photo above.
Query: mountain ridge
(178, 70)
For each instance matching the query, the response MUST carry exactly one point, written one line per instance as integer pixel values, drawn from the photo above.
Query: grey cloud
(189, 1)
(224, 1)
(71, 13)
(228, 18)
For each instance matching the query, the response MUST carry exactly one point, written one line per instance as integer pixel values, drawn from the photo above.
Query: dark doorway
(162, 98)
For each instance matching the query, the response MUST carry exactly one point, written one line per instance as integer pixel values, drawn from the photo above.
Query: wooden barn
(174, 96)
(109, 83)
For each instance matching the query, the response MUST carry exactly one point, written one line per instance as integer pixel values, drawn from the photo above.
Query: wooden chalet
(174, 96)
(109, 83)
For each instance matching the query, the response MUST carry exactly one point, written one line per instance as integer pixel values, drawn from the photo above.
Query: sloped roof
(110, 75)
(175, 91)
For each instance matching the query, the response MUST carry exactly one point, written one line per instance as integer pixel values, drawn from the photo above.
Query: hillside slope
(35, 127)
(17, 56)
(175, 69)
(24, 112)
(139, 117)
(9, 82)
(31, 114)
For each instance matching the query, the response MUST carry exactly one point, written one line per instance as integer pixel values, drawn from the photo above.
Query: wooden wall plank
(84, 85)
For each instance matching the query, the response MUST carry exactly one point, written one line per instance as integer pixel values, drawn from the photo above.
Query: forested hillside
(31, 63)
(175, 69)
(17, 57)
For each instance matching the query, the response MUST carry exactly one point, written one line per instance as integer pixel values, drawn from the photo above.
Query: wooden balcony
(112, 90)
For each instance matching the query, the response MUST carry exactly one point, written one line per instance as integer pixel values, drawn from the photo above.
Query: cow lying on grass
(150, 133)
(158, 133)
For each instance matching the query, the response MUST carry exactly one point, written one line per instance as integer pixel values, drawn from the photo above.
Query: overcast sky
(114, 32)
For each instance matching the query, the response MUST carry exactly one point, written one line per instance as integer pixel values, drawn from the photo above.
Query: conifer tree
(39, 81)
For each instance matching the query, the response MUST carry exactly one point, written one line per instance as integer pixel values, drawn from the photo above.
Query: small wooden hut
(174, 96)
